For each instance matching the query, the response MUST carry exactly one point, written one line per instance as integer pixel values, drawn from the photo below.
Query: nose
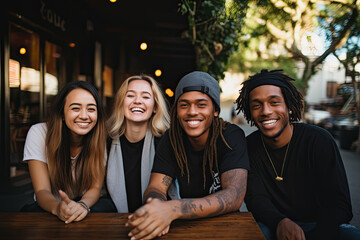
(266, 109)
(192, 110)
(83, 113)
(137, 99)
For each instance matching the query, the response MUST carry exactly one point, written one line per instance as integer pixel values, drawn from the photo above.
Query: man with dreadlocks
(203, 154)
(297, 186)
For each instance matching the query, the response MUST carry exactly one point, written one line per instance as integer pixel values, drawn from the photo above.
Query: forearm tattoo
(226, 200)
(166, 180)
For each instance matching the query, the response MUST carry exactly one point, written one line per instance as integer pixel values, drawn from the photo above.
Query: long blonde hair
(158, 122)
(89, 165)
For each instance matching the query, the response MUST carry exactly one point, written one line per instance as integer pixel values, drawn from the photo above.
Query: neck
(135, 132)
(198, 143)
(281, 140)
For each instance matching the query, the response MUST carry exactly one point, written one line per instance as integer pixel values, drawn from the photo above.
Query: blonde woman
(139, 118)
(66, 155)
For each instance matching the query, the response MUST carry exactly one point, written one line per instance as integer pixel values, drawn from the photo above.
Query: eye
(202, 104)
(130, 95)
(91, 109)
(75, 109)
(183, 105)
(255, 106)
(146, 97)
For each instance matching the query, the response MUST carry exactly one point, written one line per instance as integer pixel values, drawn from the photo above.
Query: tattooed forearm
(188, 208)
(166, 181)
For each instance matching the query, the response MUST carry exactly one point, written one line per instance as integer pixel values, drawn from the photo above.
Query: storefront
(44, 44)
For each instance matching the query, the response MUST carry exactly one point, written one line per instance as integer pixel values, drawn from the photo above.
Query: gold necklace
(278, 178)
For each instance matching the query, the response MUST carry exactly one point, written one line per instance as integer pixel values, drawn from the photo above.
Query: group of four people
(191, 164)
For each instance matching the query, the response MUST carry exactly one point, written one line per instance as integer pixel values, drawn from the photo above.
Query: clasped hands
(151, 220)
(69, 210)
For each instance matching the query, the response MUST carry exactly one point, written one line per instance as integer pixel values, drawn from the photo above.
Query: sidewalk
(352, 167)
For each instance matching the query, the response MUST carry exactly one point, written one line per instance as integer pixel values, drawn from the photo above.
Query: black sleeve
(164, 161)
(333, 189)
(237, 156)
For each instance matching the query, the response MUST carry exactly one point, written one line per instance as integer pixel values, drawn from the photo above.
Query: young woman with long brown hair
(66, 155)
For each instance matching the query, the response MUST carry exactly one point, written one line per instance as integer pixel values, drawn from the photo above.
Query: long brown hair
(89, 165)
(217, 127)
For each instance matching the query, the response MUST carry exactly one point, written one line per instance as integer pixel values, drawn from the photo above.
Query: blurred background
(45, 44)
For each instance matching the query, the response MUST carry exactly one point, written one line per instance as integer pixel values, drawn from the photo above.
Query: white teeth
(269, 122)
(83, 124)
(137, 110)
(193, 122)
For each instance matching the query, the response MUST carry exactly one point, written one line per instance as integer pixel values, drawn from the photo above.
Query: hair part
(89, 165)
(158, 122)
(292, 96)
(176, 132)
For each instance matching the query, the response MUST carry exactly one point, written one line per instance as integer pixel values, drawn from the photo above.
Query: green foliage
(214, 30)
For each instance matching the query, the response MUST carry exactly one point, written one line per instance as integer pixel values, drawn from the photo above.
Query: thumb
(64, 197)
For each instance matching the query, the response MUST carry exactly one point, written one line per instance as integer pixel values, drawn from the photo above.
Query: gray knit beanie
(201, 82)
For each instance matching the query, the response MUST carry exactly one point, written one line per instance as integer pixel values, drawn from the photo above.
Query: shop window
(24, 83)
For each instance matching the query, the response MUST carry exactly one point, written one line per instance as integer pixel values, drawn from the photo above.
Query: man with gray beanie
(204, 155)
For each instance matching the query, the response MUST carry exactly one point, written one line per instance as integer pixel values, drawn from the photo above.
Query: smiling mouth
(268, 122)
(137, 110)
(83, 124)
(193, 122)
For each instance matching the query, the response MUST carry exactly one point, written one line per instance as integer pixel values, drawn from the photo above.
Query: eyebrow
(196, 100)
(78, 104)
(146, 92)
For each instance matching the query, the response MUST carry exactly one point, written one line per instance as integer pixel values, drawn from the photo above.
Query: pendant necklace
(73, 158)
(278, 178)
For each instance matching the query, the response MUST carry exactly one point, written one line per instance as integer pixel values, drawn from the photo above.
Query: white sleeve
(34, 148)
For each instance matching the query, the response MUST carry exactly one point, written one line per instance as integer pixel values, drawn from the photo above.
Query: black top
(131, 153)
(314, 189)
(165, 162)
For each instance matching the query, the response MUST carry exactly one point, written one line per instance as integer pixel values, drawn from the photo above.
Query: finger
(137, 217)
(81, 217)
(152, 230)
(64, 197)
(148, 200)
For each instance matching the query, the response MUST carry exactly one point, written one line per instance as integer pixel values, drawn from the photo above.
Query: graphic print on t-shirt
(216, 185)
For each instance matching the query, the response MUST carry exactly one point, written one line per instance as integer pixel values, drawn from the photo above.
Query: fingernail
(133, 238)
(66, 222)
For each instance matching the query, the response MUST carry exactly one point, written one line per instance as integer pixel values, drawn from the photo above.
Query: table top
(18, 225)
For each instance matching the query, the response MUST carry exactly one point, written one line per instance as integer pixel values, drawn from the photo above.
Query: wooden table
(238, 225)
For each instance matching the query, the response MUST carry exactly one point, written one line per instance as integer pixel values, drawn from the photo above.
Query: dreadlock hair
(293, 98)
(176, 132)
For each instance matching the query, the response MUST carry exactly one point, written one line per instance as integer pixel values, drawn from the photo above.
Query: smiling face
(269, 111)
(195, 113)
(139, 102)
(80, 112)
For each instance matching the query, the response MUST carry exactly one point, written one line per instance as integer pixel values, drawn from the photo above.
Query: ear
(216, 113)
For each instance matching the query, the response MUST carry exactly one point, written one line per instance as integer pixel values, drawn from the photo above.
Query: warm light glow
(112, 1)
(143, 46)
(158, 72)
(72, 44)
(169, 92)
(22, 51)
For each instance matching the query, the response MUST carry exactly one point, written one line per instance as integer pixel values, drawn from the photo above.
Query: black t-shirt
(165, 162)
(314, 186)
(131, 153)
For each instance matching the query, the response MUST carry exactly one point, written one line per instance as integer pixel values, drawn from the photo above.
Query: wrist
(84, 205)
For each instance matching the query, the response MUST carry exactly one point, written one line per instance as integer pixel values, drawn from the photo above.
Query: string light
(143, 46)
(22, 51)
(158, 72)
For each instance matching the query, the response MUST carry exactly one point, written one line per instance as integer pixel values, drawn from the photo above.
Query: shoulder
(232, 129)
(312, 132)
(39, 129)
(252, 138)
